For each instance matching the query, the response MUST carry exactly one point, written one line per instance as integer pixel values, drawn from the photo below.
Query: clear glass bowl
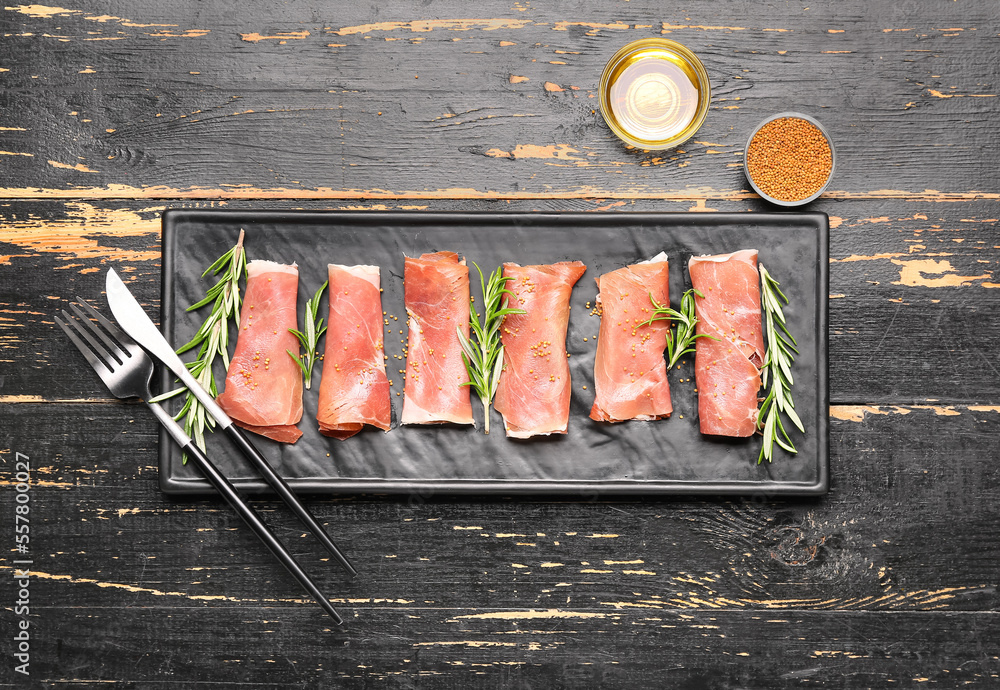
(654, 94)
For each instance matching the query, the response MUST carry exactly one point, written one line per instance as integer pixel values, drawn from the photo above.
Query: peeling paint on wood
(890, 579)
(118, 191)
(74, 238)
(912, 274)
(422, 26)
(280, 37)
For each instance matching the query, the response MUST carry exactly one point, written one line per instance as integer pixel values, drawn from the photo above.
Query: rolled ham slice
(630, 374)
(727, 371)
(355, 389)
(436, 290)
(534, 390)
(263, 390)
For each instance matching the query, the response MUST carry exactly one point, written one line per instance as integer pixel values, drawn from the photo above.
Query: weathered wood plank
(912, 286)
(907, 526)
(110, 114)
(468, 648)
(890, 577)
(152, 101)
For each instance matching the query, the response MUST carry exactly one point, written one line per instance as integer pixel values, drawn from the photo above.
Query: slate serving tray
(663, 457)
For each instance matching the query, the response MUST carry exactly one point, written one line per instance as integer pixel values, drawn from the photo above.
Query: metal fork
(126, 369)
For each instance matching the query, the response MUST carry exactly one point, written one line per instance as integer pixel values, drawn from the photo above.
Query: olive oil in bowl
(654, 94)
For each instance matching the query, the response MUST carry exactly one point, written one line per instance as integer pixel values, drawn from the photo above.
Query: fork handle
(243, 509)
(286, 494)
(249, 515)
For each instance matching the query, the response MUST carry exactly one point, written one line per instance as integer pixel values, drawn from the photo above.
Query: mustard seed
(789, 159)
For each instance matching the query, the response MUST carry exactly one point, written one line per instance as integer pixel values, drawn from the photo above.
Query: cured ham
(355, 389)
(727, 371)
(263, 390)
(534, 390)
(436, 289)
(630, 374)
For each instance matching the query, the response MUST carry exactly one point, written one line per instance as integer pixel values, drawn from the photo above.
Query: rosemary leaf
(484, 358)
(212, 339)
(314, 330)
(681, 336)
(776, 372)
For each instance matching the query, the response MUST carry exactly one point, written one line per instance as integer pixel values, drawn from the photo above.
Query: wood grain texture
(284, 647)
(155, 101)
(112, 112)
(755, 587)
(911, 289)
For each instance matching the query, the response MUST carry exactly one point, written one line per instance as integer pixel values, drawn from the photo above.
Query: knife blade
(132, 319)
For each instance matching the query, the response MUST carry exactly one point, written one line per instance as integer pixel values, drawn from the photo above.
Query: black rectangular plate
(663, 457)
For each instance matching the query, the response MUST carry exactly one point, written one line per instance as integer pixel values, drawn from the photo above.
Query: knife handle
(286, 494)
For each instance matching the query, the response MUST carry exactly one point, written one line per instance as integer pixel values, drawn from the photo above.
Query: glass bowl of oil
(654, 94)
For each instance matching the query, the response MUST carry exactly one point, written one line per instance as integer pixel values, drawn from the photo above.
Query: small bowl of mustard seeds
(789, 159)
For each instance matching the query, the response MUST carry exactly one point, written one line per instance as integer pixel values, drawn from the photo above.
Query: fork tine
(118, 333)
(95, 347)
(117, 352)
(95, 362)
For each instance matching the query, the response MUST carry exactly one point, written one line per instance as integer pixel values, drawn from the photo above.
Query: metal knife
(133, 320)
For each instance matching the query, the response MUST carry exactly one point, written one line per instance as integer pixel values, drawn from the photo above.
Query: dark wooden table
(113, 112)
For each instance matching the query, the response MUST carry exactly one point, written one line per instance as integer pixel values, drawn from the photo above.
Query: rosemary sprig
(776, 370)
(314, 329)
(484, 358)
(212, 339)
(681, 336)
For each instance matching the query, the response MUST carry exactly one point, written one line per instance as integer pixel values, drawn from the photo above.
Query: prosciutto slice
(355, 389)
(263, 390)
(630, 374)
(436, 290)
(534, 390)
(727, 371)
